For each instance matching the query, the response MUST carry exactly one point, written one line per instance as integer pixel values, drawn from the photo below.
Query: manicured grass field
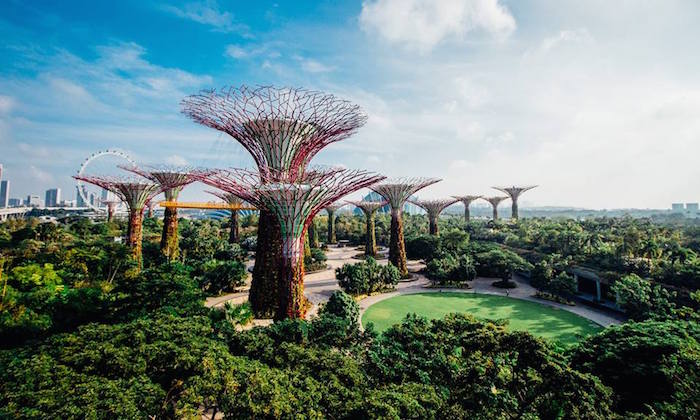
(544, 321)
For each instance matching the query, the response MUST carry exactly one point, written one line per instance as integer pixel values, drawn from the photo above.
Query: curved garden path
(320, 285)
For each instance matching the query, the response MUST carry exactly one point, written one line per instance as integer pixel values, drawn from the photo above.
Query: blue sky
(600, 105)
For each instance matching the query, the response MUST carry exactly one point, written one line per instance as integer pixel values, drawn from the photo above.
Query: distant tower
(369, 208)
(4, 193)
(514, 194)
(397, 192)
(495, 201)
(466, 200)
(434, 208)
(52, 197)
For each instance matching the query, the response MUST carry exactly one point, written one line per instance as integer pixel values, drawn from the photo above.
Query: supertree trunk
(169, 241)
(110, 214)
(292, 303)
(313, 235)
(495, 212)
(331, 227)
(467, 215)
(434, 230)
(307, 246)
(514, 209)
(397, 248)
(262, 296)
(135, 235)
(370, 239)
(234, 234)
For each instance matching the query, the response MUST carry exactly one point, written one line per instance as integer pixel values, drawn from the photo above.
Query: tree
(642, 300)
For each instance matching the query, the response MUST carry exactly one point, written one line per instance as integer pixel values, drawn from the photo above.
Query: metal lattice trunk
(434, 208)
(282, 129)
(331, 222)
(514, 193)
(467, 201)
(369, 208)
(396, 193)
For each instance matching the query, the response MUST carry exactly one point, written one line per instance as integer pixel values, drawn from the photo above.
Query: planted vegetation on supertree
(282, 129)
(331, 222)
(369, 208)
(434, 208)
(397, 192)
(233, 200)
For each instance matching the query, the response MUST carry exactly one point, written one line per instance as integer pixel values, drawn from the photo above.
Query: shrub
(451, 270)
(642, 300)
(423, 247)
(343, 306)
(250, 243)
(367, 277)
(562, 285)
(222, 276)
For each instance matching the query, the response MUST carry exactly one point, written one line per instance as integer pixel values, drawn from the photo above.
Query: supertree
(136, 193)
(313, 235)
(514, 193)
(294, 204)
(396, 192)
(171, 180)
(495, 201)
(331, 209)
(111, 206)
(434, 208)
(233, 200)
(369, 208)
(467, 201)
(283, 129)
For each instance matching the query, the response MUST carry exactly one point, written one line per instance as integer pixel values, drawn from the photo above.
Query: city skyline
(597, 105)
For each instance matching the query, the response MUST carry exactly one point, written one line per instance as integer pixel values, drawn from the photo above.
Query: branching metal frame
(514, 193)
(369, 208)
(467, 201)
(495, 201)
(434, 208)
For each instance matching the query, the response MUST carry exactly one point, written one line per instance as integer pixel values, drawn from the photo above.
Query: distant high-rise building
(677, 207)
(92, 199)
(14, 202)
(53, 197)
(4, 193)
(32, 201)
(691, 207)
(79, 202)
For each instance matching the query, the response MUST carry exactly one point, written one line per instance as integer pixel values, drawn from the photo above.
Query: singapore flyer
(103, 162)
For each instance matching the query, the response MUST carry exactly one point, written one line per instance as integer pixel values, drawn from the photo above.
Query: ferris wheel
(103, 162)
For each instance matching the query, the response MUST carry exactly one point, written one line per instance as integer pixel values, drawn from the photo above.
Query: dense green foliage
(367, 277)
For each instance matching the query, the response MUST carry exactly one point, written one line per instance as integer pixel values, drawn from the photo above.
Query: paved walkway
(319, 286)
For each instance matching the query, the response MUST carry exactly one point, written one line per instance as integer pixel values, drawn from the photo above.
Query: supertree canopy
(171, 181)
(434, 208)
(514, 194)
(233, 200)
(283, 129)
(495, 201)
(396, 192)
(331, 209)
(294, 204)
(369, 208)
(136, 193)
(111, 206)
(467, 201)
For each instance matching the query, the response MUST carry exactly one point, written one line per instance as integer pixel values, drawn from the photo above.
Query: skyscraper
(53, 197)
(4, 192)
(79, 202)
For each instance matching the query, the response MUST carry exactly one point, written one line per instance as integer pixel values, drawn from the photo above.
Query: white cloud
(566, 36)
(176, 160)
(314, 66)
(7, 103)
(208, 13)
(422, 24)
(235, 51)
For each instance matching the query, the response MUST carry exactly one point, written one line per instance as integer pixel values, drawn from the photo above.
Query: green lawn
(544, 321)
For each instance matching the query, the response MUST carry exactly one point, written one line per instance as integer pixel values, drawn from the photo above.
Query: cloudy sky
(598, 102)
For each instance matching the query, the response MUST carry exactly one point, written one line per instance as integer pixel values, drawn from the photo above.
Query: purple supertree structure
(396, 192)
(111, 206)
(294, 204)
(233, 200)
(514, 193)
(434, 208)
(467, 201)
(171, 180)
(283, 129)
(331, 209)
(136, 193)
(369, 208)
(495, 201)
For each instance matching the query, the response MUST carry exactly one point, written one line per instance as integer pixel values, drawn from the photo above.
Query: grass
(540, 320)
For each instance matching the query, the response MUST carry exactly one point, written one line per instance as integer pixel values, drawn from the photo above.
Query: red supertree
(136, 193)
(330, 210)
(434, 208)
(233, 200)
(369, 208)
(467, 201)
(111, 206)
(495, 201)
(171, 180)
(283, 129)
(514, 193)
(396, 192)
(294, 204)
